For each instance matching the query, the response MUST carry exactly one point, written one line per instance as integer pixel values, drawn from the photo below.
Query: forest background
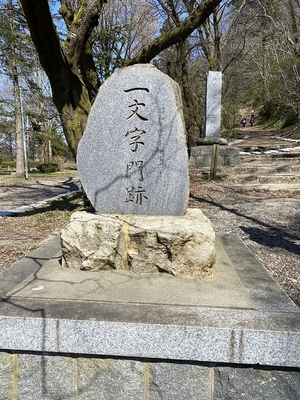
(54, 56)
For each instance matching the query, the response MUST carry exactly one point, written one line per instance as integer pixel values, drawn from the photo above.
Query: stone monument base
(212, 140)
(200, 156)
(178, 245)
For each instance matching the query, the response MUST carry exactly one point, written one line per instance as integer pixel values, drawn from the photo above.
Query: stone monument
(133, 164)
(213, 97)
(132, 158)
(208, 153)
(213, 104)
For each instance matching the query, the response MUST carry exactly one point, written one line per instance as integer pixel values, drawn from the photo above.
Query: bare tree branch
(182, 31)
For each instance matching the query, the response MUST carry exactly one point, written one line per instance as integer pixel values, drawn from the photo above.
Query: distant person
(243, 122)
(252, 120)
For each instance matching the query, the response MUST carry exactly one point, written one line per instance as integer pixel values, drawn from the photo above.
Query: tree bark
(20, 166)
(189, 108)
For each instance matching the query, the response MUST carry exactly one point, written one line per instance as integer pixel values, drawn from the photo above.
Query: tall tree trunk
(189, 107)
(60, 62)
(73, 108)
(19, 125)
(17, 102)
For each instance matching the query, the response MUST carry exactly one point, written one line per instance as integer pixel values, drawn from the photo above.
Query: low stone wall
(37, 376)
(200, 156)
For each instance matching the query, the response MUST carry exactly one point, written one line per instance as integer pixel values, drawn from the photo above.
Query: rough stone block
(199, 161)
(195, 151)
(256, 383)
(182, 246)
(44, 377)
(211, 140)
(180, 381)
(108, 379)
(8, 376)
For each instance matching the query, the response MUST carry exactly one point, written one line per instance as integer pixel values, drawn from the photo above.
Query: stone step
(262, 169)
(269, 150)
(266, 187)
(263, 178)
(285, 155)
(273, 157)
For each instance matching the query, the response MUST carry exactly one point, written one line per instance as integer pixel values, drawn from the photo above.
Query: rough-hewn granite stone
(212, 140)
(183, 246)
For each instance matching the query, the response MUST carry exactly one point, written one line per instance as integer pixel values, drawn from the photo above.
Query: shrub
(8, 164)
(34, 164)
(277, 114)
(290, 119)
(48, 167)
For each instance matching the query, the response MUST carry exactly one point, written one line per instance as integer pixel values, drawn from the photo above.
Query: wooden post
(214, 161)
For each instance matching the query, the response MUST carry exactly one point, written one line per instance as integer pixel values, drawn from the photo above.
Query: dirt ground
(267, 222)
